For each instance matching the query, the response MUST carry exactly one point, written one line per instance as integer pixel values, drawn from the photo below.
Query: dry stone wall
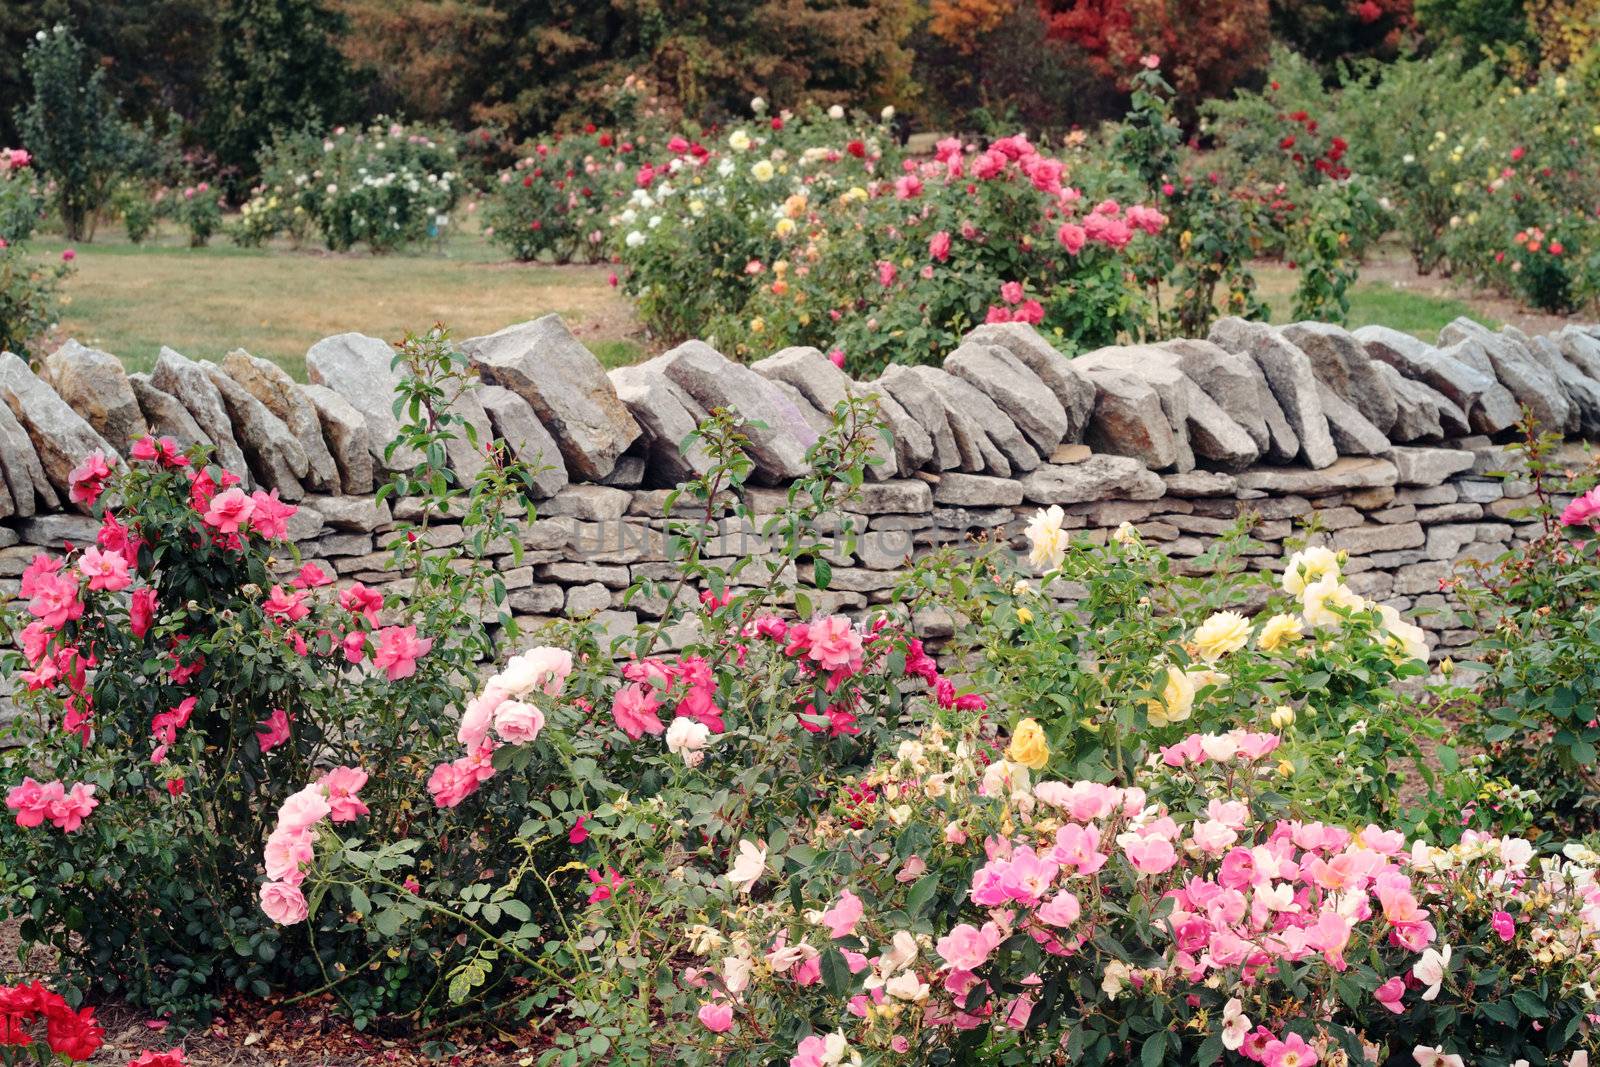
(1395, 445)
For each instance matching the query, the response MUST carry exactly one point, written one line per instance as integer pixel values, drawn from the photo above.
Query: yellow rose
(1328, 592)
(1028, 746)
(1024, 616)
(1177, 699)
(1283, 716)
(1224, 632)
(1307, 567)
(1279, 631)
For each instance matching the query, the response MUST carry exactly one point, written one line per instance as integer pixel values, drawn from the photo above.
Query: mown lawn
(276, 302)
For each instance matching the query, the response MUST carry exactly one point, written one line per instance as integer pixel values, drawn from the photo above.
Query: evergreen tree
(278, 67)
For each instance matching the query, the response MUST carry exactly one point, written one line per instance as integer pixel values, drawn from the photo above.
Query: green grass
(276, 302)
(1373, 302)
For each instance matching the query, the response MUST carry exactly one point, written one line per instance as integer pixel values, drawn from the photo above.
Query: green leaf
(835, 972)
(1155, 1050)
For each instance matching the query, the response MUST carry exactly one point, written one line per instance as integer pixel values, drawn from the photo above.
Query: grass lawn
(1376, 300)
(276, 302)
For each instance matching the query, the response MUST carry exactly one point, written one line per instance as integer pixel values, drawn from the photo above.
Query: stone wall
(1395, 445)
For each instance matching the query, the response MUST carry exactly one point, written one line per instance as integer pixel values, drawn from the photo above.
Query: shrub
(139, 208)
(21, 202)
(184, 678)
(975, 913)
(74, 130)
(198, 209)
(1534, 609)
(790, 219)
(28, 297)
(387, 186)
(555, 200)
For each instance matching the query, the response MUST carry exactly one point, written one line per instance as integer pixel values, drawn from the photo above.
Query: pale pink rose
(304, 809)
(283, 903)
(518, 723)
(286, 851)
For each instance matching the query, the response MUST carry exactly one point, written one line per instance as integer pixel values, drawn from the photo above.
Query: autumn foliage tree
(1206, 46)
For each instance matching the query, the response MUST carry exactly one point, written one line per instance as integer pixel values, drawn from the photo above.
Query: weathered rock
(1345, 473)
(188, 382)
(1418, 414)
(779, 445)
(1533, 386)
(1581, 349)
(344, 432)
(668, 416)
(1429, 466)
(277, 460)
(1289, 376)
(1015, 389)
(1097, 478)
(277, 392)
(819, 423)
(1380, 537)
(913, 446)
(1340, 360)
(1237, 386)
(359, 514)
(361, 369)
(164, 415)
(1214, 436)
(60, 436)
(94, 385)
(977, 491)
(1470, 386)
(1159, 370)
(999, 442)
(592, 503)
(1352, 434)
(544, 364)
(1583, 392)
(923, 405)
(1200, 484)
(1071, 388)
(513, 421)
(1129, 420)
(825, 386)
(28, 487)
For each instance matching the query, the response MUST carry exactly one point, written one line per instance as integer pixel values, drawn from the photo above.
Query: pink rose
(939, 246)
(107, 571)
(342, 784)
(634, 709)
(966, 947)
(718, 1018)
(518, 723)
(283, 903)
(842, 917)
(304, 809)
(229, 510)
(286, 852)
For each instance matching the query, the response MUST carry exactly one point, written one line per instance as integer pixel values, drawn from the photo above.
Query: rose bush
(792, 212)
(387, 186)
(976, 913)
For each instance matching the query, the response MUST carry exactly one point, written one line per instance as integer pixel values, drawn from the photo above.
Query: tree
(1206, 46)
(419, 58)
(1479, 28)
(278, 68)
(1326, 31)
(74, 129)
(156, 53)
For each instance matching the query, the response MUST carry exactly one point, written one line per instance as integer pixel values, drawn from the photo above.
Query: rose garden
(970, 618)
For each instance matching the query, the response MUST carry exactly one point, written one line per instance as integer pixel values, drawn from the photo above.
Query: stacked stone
(1387, 441)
